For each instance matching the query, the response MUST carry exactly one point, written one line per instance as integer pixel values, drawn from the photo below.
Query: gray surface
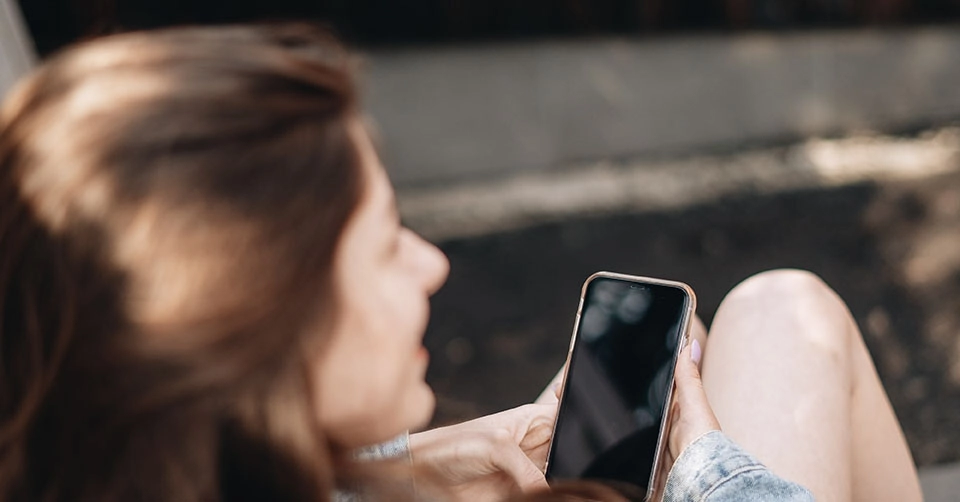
(474, 112)
(16, 52)
(941, 483)
(457, 211)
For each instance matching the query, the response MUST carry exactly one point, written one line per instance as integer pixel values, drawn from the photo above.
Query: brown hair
(170, 204)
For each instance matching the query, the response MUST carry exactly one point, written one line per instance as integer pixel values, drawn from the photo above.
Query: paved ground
(941, 483)
(888, 240)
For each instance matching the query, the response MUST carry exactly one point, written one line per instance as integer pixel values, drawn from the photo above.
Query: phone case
(656, 477)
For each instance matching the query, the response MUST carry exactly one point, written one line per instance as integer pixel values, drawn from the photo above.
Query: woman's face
(371, 374)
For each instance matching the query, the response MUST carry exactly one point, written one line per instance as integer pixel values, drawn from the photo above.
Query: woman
(207, 294)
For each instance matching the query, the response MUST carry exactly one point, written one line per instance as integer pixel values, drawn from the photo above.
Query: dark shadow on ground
(501, 326)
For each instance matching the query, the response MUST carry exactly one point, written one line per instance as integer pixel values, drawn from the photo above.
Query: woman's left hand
(491, 457)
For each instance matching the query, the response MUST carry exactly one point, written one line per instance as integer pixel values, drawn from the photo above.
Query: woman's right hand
(488, 458)
(692, 414)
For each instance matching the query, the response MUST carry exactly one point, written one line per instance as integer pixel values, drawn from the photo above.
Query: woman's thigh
(788, 375)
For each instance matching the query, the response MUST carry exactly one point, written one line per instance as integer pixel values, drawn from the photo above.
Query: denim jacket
(714, 469)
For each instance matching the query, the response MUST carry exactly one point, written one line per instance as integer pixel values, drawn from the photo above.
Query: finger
(687, 375)
(528, 416)
(691, 398)
(695, 416)
(538, 456)
(514, 463)
(551, 393)
(538, 433)
(698, 332)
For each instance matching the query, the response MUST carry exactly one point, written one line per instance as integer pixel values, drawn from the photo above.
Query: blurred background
(538, 141)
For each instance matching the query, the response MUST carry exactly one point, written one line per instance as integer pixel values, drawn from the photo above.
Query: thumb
(520, 468)
(694, 416)
(687, 375)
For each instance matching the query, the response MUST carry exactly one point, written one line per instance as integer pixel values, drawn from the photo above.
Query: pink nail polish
(695, 352)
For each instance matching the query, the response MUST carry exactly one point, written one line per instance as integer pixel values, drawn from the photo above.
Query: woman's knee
(783, 283)
(787, 302)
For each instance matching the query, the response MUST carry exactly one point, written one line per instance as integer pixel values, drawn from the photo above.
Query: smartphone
(616, 399)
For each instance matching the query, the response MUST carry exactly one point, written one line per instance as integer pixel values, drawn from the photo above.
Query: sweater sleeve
(395, 449)
(714, 469)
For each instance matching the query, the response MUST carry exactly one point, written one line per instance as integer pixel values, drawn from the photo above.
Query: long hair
(170, 204)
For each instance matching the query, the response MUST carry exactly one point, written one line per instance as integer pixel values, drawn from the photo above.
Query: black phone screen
(618, 382)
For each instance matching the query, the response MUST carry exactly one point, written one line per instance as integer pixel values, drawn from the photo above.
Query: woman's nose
(436, 264)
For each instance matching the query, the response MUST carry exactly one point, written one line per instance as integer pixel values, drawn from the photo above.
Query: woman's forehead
(378, 195)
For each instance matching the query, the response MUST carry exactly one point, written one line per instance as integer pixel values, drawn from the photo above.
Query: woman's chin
(422, 407)
(413, 413)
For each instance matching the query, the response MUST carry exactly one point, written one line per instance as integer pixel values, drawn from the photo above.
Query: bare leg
(791, 381)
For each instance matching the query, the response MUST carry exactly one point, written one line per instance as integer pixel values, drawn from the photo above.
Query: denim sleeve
(714, 469)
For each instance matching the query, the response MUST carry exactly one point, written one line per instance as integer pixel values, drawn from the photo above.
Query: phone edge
(653, 484)
(566, 369)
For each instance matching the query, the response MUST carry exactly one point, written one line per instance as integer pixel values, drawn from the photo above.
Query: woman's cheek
(411, 312)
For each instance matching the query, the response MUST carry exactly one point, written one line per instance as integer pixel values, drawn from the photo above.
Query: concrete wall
(452, 114)
(16, 49)
(461, 113)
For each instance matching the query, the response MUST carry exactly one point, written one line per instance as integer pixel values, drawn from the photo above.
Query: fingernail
(695, 352)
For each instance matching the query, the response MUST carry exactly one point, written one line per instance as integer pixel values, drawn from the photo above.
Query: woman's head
(205, 284)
